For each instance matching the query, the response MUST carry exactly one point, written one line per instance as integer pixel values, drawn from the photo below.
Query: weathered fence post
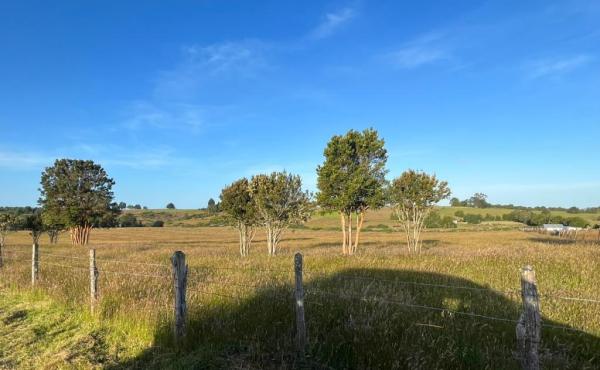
(299, 298)
(1, 258)
(35, 262)
(180, 282)
(530, 323)
(93, 281)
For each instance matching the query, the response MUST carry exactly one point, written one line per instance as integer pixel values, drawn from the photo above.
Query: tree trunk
(360, 218)
(344, 249)
(350, 250)
(80, 235)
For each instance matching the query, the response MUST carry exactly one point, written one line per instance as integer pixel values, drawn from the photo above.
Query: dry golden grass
(241, 312)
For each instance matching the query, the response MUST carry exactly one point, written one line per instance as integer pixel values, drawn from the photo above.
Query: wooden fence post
(530, 323)
(93, 281)
(180, 282)
(35, 262)
(299, 298)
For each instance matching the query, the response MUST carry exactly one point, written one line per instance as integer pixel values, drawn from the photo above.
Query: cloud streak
(424, 50)
(333, 22)
(557, 66)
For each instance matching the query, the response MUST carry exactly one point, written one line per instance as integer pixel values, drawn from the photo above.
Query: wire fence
(198, 280)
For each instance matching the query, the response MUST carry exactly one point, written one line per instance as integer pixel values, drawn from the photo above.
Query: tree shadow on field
(348, 329)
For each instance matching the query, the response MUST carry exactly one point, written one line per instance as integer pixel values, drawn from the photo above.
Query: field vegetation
(241, 309)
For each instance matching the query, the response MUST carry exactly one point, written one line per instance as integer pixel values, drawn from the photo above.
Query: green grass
(36, 332)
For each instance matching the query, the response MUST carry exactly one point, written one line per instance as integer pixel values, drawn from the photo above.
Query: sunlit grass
(241, 310)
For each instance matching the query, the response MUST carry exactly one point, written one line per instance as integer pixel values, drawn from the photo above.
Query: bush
(460, 214)
(158, 223)
(434, 220)
(129, 220)
(576, 222)
(473, 218)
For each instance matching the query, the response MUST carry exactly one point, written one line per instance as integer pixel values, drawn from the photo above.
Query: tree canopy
(352, 179)
(412, 196)
(240, 211)
(77, 194)
(280, 202)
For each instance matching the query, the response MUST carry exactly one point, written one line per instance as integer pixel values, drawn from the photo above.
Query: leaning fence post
(35, 262)
(179, 283)
(529, 325)
(93, 281)
(299, 298)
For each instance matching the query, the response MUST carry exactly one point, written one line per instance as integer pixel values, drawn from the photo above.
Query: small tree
(7, 224)
(53, 232)
(455, 202)
(212, 206)
(170, 206)
(122, 205)
(77, 194)
(280, 202)
(413, 195)
(34, 224)
(240, 211)
(352, 179)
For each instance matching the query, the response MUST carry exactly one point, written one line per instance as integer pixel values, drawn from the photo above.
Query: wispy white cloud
(106, 155)
(180, 94)
(556, 66)
(333, 22)
(202, 65)
(427, 49)
(143, 114)
(23, 160)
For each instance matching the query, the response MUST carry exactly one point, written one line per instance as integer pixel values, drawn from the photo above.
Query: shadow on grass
(347, 329)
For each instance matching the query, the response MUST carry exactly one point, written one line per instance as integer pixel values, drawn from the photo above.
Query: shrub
(158, 223)
(460, 214)
(129, 220)
(434, 220)
(576, 222)
(473, 218)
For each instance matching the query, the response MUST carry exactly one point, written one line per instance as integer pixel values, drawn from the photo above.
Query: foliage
(170, 206)
(77, 194)
(351, 179)
(212, 206)
(434, 221)
(471, 218)
(158, 223)
(122, 205)
(129, 220)
(280, 202)
(413, 196)
(33, 223)
(240, 210)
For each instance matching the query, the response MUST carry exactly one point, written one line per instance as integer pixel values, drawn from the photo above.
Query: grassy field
(241, 310)
(199, 218)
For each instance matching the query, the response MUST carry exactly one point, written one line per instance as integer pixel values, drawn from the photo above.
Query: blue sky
(177, 99)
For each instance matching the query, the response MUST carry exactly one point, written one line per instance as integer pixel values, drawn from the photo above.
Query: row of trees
(351, 181)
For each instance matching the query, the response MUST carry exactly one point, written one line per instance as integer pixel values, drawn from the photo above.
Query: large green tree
(77, 194)
(412, 196)
(351, 180)
(240, 210)
(280, 202)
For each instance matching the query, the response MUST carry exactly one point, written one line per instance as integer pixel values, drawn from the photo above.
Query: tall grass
(241, 310)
